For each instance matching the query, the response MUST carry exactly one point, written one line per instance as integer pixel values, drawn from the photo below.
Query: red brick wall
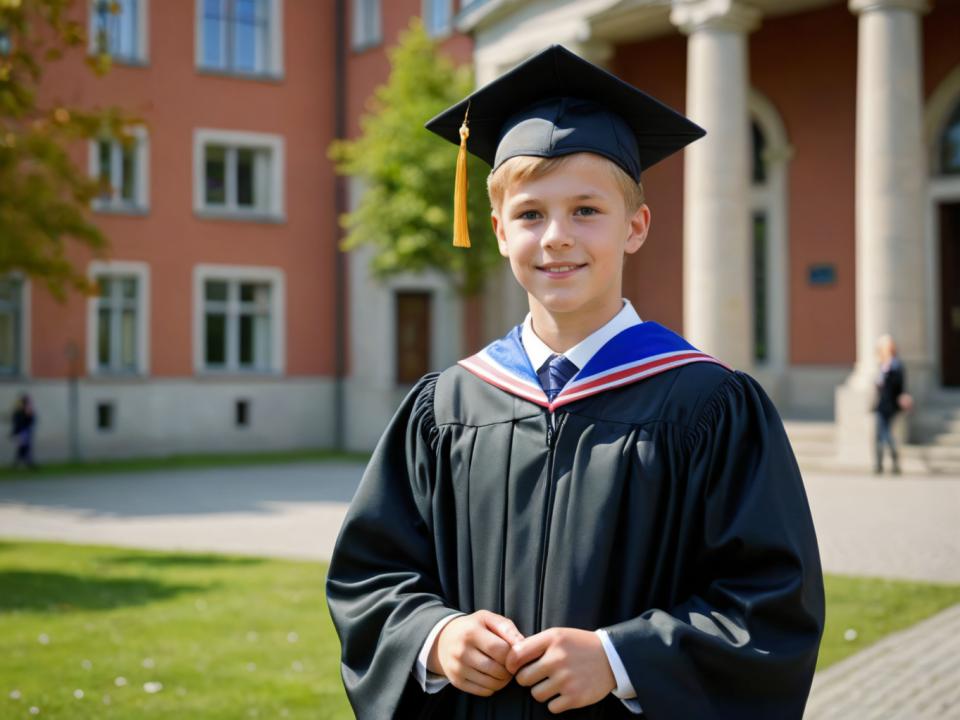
(174, 99)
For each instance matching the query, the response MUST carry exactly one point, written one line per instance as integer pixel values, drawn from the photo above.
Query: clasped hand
(564, 667)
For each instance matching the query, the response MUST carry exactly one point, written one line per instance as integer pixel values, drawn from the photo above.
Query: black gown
(669, 511)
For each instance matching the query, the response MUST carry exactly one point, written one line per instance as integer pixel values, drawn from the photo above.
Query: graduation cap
(555, 104)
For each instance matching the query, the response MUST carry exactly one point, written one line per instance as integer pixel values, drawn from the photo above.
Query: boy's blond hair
(528, 167)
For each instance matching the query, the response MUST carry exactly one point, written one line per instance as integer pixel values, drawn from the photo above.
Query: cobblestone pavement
(911, 675)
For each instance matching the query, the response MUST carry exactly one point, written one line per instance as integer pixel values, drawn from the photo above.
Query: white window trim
(274, 70)
(141, 271)
(141, 202)
(772, 198)
(143, 34)
(358, 40)
(250, 273)
(275, 143)
(23, 342)
(440, 33)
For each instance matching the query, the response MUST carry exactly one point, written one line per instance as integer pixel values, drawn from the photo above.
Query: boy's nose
(556, 235)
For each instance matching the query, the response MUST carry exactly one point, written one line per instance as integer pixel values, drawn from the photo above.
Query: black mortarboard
(557, 103)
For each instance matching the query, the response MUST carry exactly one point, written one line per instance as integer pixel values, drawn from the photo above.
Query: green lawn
(179, 462)
(233, 637)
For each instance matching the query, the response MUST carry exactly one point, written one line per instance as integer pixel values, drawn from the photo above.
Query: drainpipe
(339, 257)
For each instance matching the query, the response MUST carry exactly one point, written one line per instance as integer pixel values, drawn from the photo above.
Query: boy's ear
(499, 231)
(639, 228)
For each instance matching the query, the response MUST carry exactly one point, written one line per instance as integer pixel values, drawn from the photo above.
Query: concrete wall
(171, 416)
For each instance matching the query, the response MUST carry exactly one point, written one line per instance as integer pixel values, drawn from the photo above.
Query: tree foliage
(406, 210)
(44, 196)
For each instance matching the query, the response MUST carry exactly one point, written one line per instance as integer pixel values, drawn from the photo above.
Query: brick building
(785, 242)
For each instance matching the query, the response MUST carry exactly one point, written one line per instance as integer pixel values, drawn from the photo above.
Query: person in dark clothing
(891, 399)
(590, 516)
(21, 430)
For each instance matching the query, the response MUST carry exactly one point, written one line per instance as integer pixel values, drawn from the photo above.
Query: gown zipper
(548, 517)
(551, 450)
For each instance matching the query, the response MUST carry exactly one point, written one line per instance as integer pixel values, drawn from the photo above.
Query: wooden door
(950, 293)
(413, 336)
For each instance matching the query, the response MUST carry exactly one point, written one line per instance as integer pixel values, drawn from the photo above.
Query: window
(105, 416)
(438, 16)
(117, 324)
(11, 323)
(121, 167)
(413, 335)
(118, 318)
(760, 253)
(239, 321)
(241, 37)
(119, 28)
(366, 24)
(238, 174)
(242, 413)
(950, 145)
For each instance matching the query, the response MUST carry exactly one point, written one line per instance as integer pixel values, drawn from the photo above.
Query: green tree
(406, 211)
(44, 196)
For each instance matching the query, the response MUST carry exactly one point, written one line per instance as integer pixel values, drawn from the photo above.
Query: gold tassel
(461, 233)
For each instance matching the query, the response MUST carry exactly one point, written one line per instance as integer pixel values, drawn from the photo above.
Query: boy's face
(565, 235)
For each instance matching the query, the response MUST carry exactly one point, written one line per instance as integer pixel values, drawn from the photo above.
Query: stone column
(891, 277)
(717, 263)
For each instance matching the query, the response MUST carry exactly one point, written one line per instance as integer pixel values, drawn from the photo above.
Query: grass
(180, 462)
(232, 637)
(874, 608)
(227, 637)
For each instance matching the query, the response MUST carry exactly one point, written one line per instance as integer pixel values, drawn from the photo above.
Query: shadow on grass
(175, 560)
(59, 592)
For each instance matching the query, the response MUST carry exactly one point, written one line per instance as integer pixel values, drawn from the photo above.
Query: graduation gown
(663, 504)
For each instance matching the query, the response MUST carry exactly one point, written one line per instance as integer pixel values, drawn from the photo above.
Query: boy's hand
(565, 664)
(471, 652)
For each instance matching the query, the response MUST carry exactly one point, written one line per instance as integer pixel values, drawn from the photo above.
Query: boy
(589, 516)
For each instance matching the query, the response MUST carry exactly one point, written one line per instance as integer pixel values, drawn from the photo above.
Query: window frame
(141, 154)
(273, 68)
(141, 56)
(360, 39)
(274, 210)
(22, 338)
(235, 274)
(427, 7)
(120, 268)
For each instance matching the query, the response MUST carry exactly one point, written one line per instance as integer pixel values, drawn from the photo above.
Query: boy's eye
(586, 211)
(528, 215)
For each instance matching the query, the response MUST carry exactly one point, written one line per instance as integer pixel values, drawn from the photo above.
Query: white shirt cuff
(431, 682)
(624, 690)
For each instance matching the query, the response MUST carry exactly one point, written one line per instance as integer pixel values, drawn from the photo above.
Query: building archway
(771, 153)
(943, 227)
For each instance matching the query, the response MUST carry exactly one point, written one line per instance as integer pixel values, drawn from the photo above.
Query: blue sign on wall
(822, 274)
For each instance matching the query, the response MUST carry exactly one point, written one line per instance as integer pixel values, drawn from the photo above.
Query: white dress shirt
(580, 354)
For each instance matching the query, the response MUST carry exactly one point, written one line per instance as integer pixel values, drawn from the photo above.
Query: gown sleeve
(383, 590)
(743, 638)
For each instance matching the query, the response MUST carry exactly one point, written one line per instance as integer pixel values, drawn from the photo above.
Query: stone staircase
(933, 447)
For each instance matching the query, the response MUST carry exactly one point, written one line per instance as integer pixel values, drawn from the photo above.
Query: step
(948, 439)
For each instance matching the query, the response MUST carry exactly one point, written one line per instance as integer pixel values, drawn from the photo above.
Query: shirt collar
(539, 352)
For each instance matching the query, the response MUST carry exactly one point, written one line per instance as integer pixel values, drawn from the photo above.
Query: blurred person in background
(891, 398)
(21, 430)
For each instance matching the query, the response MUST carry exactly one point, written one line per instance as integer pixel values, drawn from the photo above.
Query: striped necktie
(554, 374)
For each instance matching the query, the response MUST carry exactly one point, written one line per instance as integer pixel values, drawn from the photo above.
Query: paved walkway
(908, 527)
(290, 511)
(911, 675)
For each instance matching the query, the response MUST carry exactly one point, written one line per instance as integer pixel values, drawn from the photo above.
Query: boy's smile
(566, 234)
